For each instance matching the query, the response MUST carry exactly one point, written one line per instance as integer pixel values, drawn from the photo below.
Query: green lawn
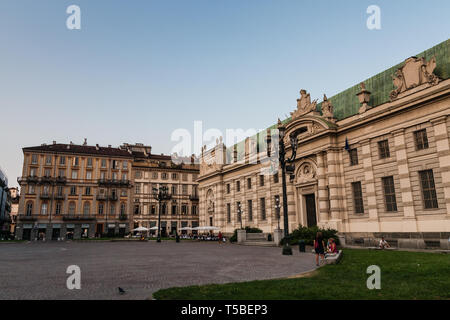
(404, 275)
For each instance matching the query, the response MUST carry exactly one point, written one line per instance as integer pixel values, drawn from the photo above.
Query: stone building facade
(153, 171)
(73, 191)
(373, 160)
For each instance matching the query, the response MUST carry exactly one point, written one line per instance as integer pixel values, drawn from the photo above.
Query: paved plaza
(38, 270)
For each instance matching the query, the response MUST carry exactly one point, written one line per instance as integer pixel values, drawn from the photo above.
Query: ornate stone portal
(415, 72)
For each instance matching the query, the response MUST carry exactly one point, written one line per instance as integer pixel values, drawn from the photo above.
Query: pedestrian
(220, 237)
(319, 247)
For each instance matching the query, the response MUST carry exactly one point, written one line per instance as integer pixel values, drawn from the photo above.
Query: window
(184, 188)
(164, 208)
(263, 208)
(89, 162)
(102, 175)
(155, 175)
(184, 209)
(88, 175)
(113, 209)
(103, 163)
(45, 190)
(357, 197)
(389, 193)
(44, 208)
(88, 191)
(164, 176)
(383, 149)
(125, 165)
(123, 193)
(114, 176)
(174, 190)
(421, 139)
(228, 188)
(138, 175)
(194, 210)
(33, 172)
(62, 161)
(86, 208)
(48, 160)
(31, 189)
(74, 174)
(238, 186)
(59, 191)
(137, 209)
(124, 177)
(185, 177)
(123, 208)
(58, 208)
(115, 164)
(174, 209)
(275, 178)
(428, 189)
(100, 208)
(250, 210)
(72, 208)
(228, 212)
(61, 173)
(73, 190)
(353, 154)
(75, 161)
(138, 188)
(47, 173)
(153, 209)
(249, 183)
(34, 159)
(174, 176)
(261, 180)
(29, 211)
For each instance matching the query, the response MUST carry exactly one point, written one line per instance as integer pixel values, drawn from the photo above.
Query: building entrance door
(311, 219)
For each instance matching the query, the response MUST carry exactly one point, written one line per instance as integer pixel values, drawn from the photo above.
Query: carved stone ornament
(364, 98)
(304, 105)
(306, 173)
(415, 72)
(327, 109)
(210, 200)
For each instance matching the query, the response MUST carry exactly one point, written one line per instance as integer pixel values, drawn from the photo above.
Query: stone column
(322, 190)
(410, 223)
(443, 151)
(334, 185)
(369, 181)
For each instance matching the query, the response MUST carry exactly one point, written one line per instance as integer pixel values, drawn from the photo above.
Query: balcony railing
(102, 197)
(24, 217)
(193, 197)
(113, 197)
(123, 217)
(45, 196)
(78, 217)
(61, 180)
(32, 179)
(59, 197)
(46, 180)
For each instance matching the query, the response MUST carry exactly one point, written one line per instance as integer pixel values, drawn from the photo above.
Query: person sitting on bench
(383, 244)
(332, 247)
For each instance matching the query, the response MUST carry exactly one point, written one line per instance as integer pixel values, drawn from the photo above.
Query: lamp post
(160, 195)
(287, 250)
(240, 212)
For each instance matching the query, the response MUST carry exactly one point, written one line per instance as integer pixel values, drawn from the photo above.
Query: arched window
(72, 207)
(29, 211)
(86, 208)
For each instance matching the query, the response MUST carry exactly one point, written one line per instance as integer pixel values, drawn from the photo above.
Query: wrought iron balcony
(46, 180)
(102, 197)
(61, 180)
(24, 217)
(78, 217)
(32, 179)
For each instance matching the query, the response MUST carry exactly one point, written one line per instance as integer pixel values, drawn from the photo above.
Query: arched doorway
(306, 193)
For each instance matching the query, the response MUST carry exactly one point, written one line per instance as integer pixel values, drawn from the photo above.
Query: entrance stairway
(258, 239)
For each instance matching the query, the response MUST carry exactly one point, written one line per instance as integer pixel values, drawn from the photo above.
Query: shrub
(308, 234)
(247, 229)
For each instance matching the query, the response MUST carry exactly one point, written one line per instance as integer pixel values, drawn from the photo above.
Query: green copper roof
(346, 103)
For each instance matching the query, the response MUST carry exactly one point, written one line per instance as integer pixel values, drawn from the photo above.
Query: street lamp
(287, 250)
(240, 212)
(160, 195)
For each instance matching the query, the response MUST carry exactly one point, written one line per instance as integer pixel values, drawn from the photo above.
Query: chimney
(85, 142)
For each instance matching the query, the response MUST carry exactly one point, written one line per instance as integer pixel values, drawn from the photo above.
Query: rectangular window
(89, 162)
(357, 197)
(62, 161)
(153, 209)
(421, 139)
(138, 188)
(88, 175)
(389, 194)
(102, 175)
(228, 188)
(184, 209)
(174, 176)
(88, 191)
(184, 189)
(75, 161)
(185, 177)
(238, 186)
(59, 191)
(263, 208)
(275, 178)
(47, 173)
(103, 163)
(155, 175)
(228, 212)
(100, 208)
(125, 165)
(73, 190)
(261, 180)
(428, 189)
(174, 209)
(58, 208)
(249, 183)
(74, 174)
(164, 176)
(239, 211)
(115, 164)
(174, 190)
(353, 154)
(31, 189)
(48, 160)
(383, 149)
(250, 210)
(33, 172)
(194, 210)
(61, 173)
(34, 159)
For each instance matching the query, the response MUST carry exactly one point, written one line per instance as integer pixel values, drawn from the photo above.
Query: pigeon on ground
(121, 291)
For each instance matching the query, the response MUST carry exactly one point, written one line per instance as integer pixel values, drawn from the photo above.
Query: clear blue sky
(137, 70)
